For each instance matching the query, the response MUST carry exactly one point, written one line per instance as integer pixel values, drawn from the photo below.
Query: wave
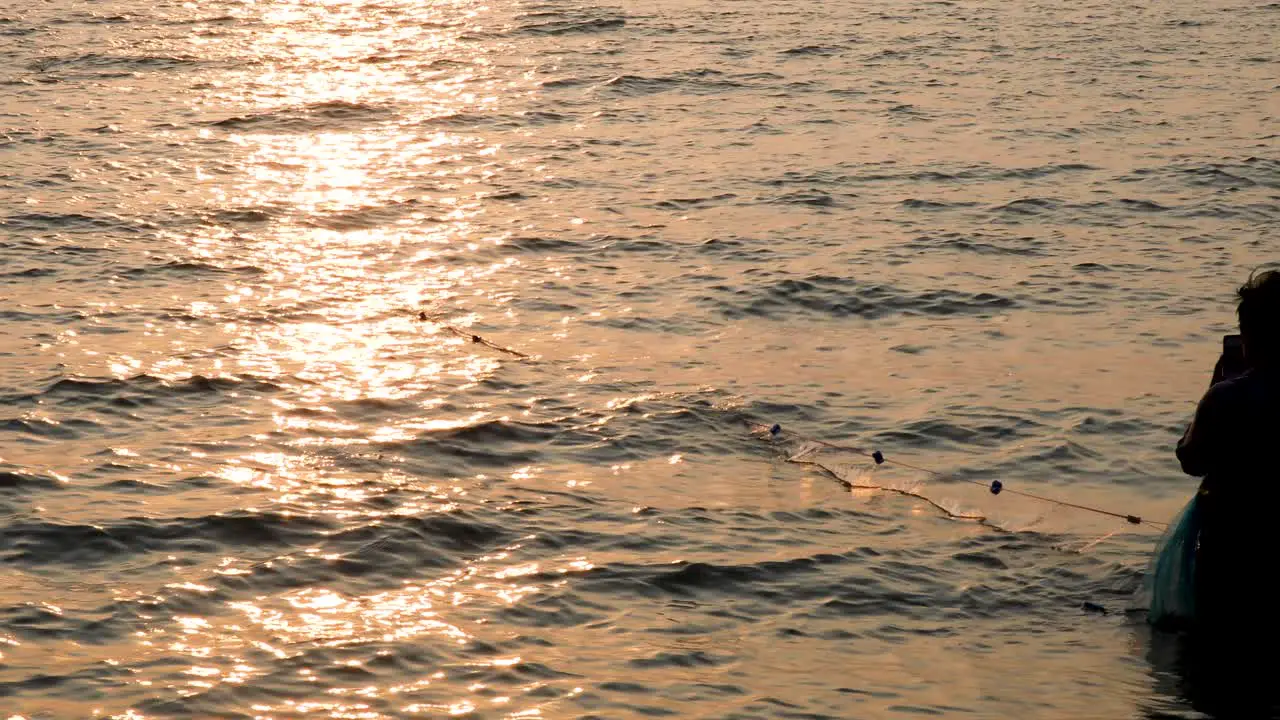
(139, 390)
(11, 480)
(185, 269)
(40, 542)
(843, 175)
(563, 24)
(814, 50)
(831, 296)
(75, 222)
(979, 243)
(314, 117)
(697, 82)
(67, 429)
(99, 63)
(365, 217)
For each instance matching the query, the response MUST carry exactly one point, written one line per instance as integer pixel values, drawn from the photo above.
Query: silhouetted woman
(1234, 444)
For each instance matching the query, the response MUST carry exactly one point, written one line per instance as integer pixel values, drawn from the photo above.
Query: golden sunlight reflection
(360, 213)
(453, 608)
(367, 206)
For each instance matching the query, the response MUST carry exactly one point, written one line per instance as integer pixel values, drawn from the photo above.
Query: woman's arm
(1198, 447)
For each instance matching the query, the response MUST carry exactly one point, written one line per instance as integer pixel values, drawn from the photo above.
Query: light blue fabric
(1170, 579)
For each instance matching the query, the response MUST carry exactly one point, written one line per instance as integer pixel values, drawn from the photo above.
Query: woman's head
(1259, 312)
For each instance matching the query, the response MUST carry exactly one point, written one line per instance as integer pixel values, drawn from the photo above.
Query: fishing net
(1169, 584)
(959, 495)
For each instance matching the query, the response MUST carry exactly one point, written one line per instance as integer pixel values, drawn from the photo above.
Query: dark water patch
(537, 118)
(555, 610)
(1226, 175)
(455, 532)
(612, 244)
(315, 117)
(910, 349)
(35, 620)
(1063, 456)
(811, 198)
(93, 18)
(758, 77)
(925, 434)
(908, 110)
(35, 272)
(98, 62)
(183, 269)
(367, 217)
(687, 327)
(112, 467)
(1062, 295)
(245, 216)
(546, 306)
(830, 296)
(740, 248)
(494, 443)
(569, 82)
(695, 577)
(133, 485)
(536, 244)
(47, 429)
(11, 28)
(1093, 424)
(985, 560)
(12, 481)
(629, 688)
(1027, 206)
(526, 118)
(510, 195)
(1254, 212)
(143, 388)
(933, 205)
(39, 543)
(694, 202)
(694, 82)
(813, 50)
(39, 622)
(53, 315)
(850, 174)
(74, 222)
(377, 555)
(1036, 172)
(565, 22)
(83, 685)
(1216, 176)
(498, 442)
(686, 660)
(1090, 267)
(1141, 205)
(765, 580)
(979, 244)
(44, 247)
(206, 20)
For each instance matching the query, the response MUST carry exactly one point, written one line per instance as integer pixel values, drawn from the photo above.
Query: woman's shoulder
(1244, 389)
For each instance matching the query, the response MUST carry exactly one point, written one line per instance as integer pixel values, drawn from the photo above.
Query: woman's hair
(1259, 313)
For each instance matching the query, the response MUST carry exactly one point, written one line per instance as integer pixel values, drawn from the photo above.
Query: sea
(379, 359)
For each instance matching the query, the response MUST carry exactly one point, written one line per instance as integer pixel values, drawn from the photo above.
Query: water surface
(242, 477)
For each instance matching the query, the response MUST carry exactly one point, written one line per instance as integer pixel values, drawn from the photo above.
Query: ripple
(239, 475)
(332, 115)
(39, 543)
(831, 296)
(562, 22)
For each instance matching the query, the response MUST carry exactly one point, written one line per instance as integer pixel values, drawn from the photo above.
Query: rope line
(775, 430)
(476, 338)
(995, 487)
